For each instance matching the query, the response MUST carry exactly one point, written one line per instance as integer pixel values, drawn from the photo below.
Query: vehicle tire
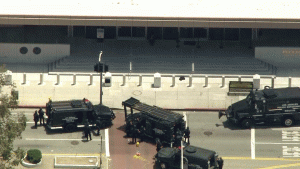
(69, 127)
(247, 123)
(288, 121)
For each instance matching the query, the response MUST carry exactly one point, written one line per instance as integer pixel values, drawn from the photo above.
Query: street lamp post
(100, 68)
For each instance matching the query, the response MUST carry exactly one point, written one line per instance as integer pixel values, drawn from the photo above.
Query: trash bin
(107, 79)
(157, 80)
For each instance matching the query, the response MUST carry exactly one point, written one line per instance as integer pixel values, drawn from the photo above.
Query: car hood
(241, 105)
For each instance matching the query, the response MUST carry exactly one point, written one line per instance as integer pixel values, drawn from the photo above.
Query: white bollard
(91, 79)
(206, 81)
(58, 79)
(124, 80)
(223, 82)
(157, 80)
(290, 81)
(190, 81)
(24, 78)
(173, 81)
(41, 78)
(256, 81)
(74, 79)
(140, 80)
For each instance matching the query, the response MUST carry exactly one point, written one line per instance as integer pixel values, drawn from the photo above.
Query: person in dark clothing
(41, 116)
(220, 162)
(187, 133)
(98, 125)
(134, 131)
(142, 133)
(158, 144)
(178, 138)
(35, 118)
(87, 130)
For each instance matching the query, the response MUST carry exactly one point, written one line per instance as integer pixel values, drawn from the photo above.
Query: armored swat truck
(268, 106)
(73, 113)
(153, 122)
(193, 158)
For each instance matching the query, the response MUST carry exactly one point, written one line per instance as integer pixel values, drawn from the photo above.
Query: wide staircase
(163, 57)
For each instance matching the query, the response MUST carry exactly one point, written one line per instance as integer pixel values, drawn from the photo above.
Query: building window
(138, 31)
(170, 33)
(110, 32)
(154, 32)
(186, 33)
(232, 34)
(216, 33)
(124, 31)
(23, 50)
(200, 33)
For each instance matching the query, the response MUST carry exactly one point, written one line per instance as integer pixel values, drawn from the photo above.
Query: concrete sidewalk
(48, 162)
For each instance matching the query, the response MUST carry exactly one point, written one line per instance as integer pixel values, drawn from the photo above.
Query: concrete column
(140, 80)
(173, 81)
(157, 80)
(256, 81)
(290, 81)
(190, 81)
(272, 82)
(239, 78)
(223, 82)
(41, 78)
(91, 79)
(58, 79)
(24, 78)
(124, 80)
(206, 81)
(74, 79)
(70, 31)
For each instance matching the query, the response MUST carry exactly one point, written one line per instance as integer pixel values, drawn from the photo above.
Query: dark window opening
(138, 31)
(154, 33)
(110, 32)
(216, 33)
(200, 33)
(78, 31)
(231, 34)
(186, 33)
(124, 31)
(170, 33)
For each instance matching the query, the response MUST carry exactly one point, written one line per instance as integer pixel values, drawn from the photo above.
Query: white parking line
(275, 143)
(39, 139)
(286, 128)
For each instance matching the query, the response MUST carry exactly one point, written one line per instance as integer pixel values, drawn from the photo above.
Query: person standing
(220, 162)
(41, 116)
(87, 130)
(35, 118)
(187, 133)
(134, 133)
(98, 125)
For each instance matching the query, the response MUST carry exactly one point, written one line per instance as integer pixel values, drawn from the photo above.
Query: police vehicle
(266, 106)
(193, 158)
(153, 122)
(73, 113)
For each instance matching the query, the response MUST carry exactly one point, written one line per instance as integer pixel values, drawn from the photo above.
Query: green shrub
(34, 156)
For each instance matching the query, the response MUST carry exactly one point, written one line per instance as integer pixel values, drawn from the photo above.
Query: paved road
(275, 147)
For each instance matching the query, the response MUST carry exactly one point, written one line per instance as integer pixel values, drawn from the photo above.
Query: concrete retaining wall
(199, 91)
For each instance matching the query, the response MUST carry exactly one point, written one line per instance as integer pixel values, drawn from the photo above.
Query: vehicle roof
(167, 152)
(153, 111)
(197, 152)
(69, 105)
(282, 93)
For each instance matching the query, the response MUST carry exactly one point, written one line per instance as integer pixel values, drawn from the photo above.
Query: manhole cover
(137, 93)
(74, 142)
(208, 133)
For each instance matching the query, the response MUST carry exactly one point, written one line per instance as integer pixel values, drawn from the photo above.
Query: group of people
(39, 115)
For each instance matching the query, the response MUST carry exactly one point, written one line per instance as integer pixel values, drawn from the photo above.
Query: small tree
(11, 126)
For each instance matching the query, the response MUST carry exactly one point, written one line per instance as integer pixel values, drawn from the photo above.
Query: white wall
(10, 52)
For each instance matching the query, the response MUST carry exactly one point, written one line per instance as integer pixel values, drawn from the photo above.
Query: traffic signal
(99, 67)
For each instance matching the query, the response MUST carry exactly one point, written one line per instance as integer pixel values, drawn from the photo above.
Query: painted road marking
(290, 152)
(252, 143)
(40, 139)
(282, 166)
(289, 128)
(274, 143)
(290, 135)
(107, 143)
